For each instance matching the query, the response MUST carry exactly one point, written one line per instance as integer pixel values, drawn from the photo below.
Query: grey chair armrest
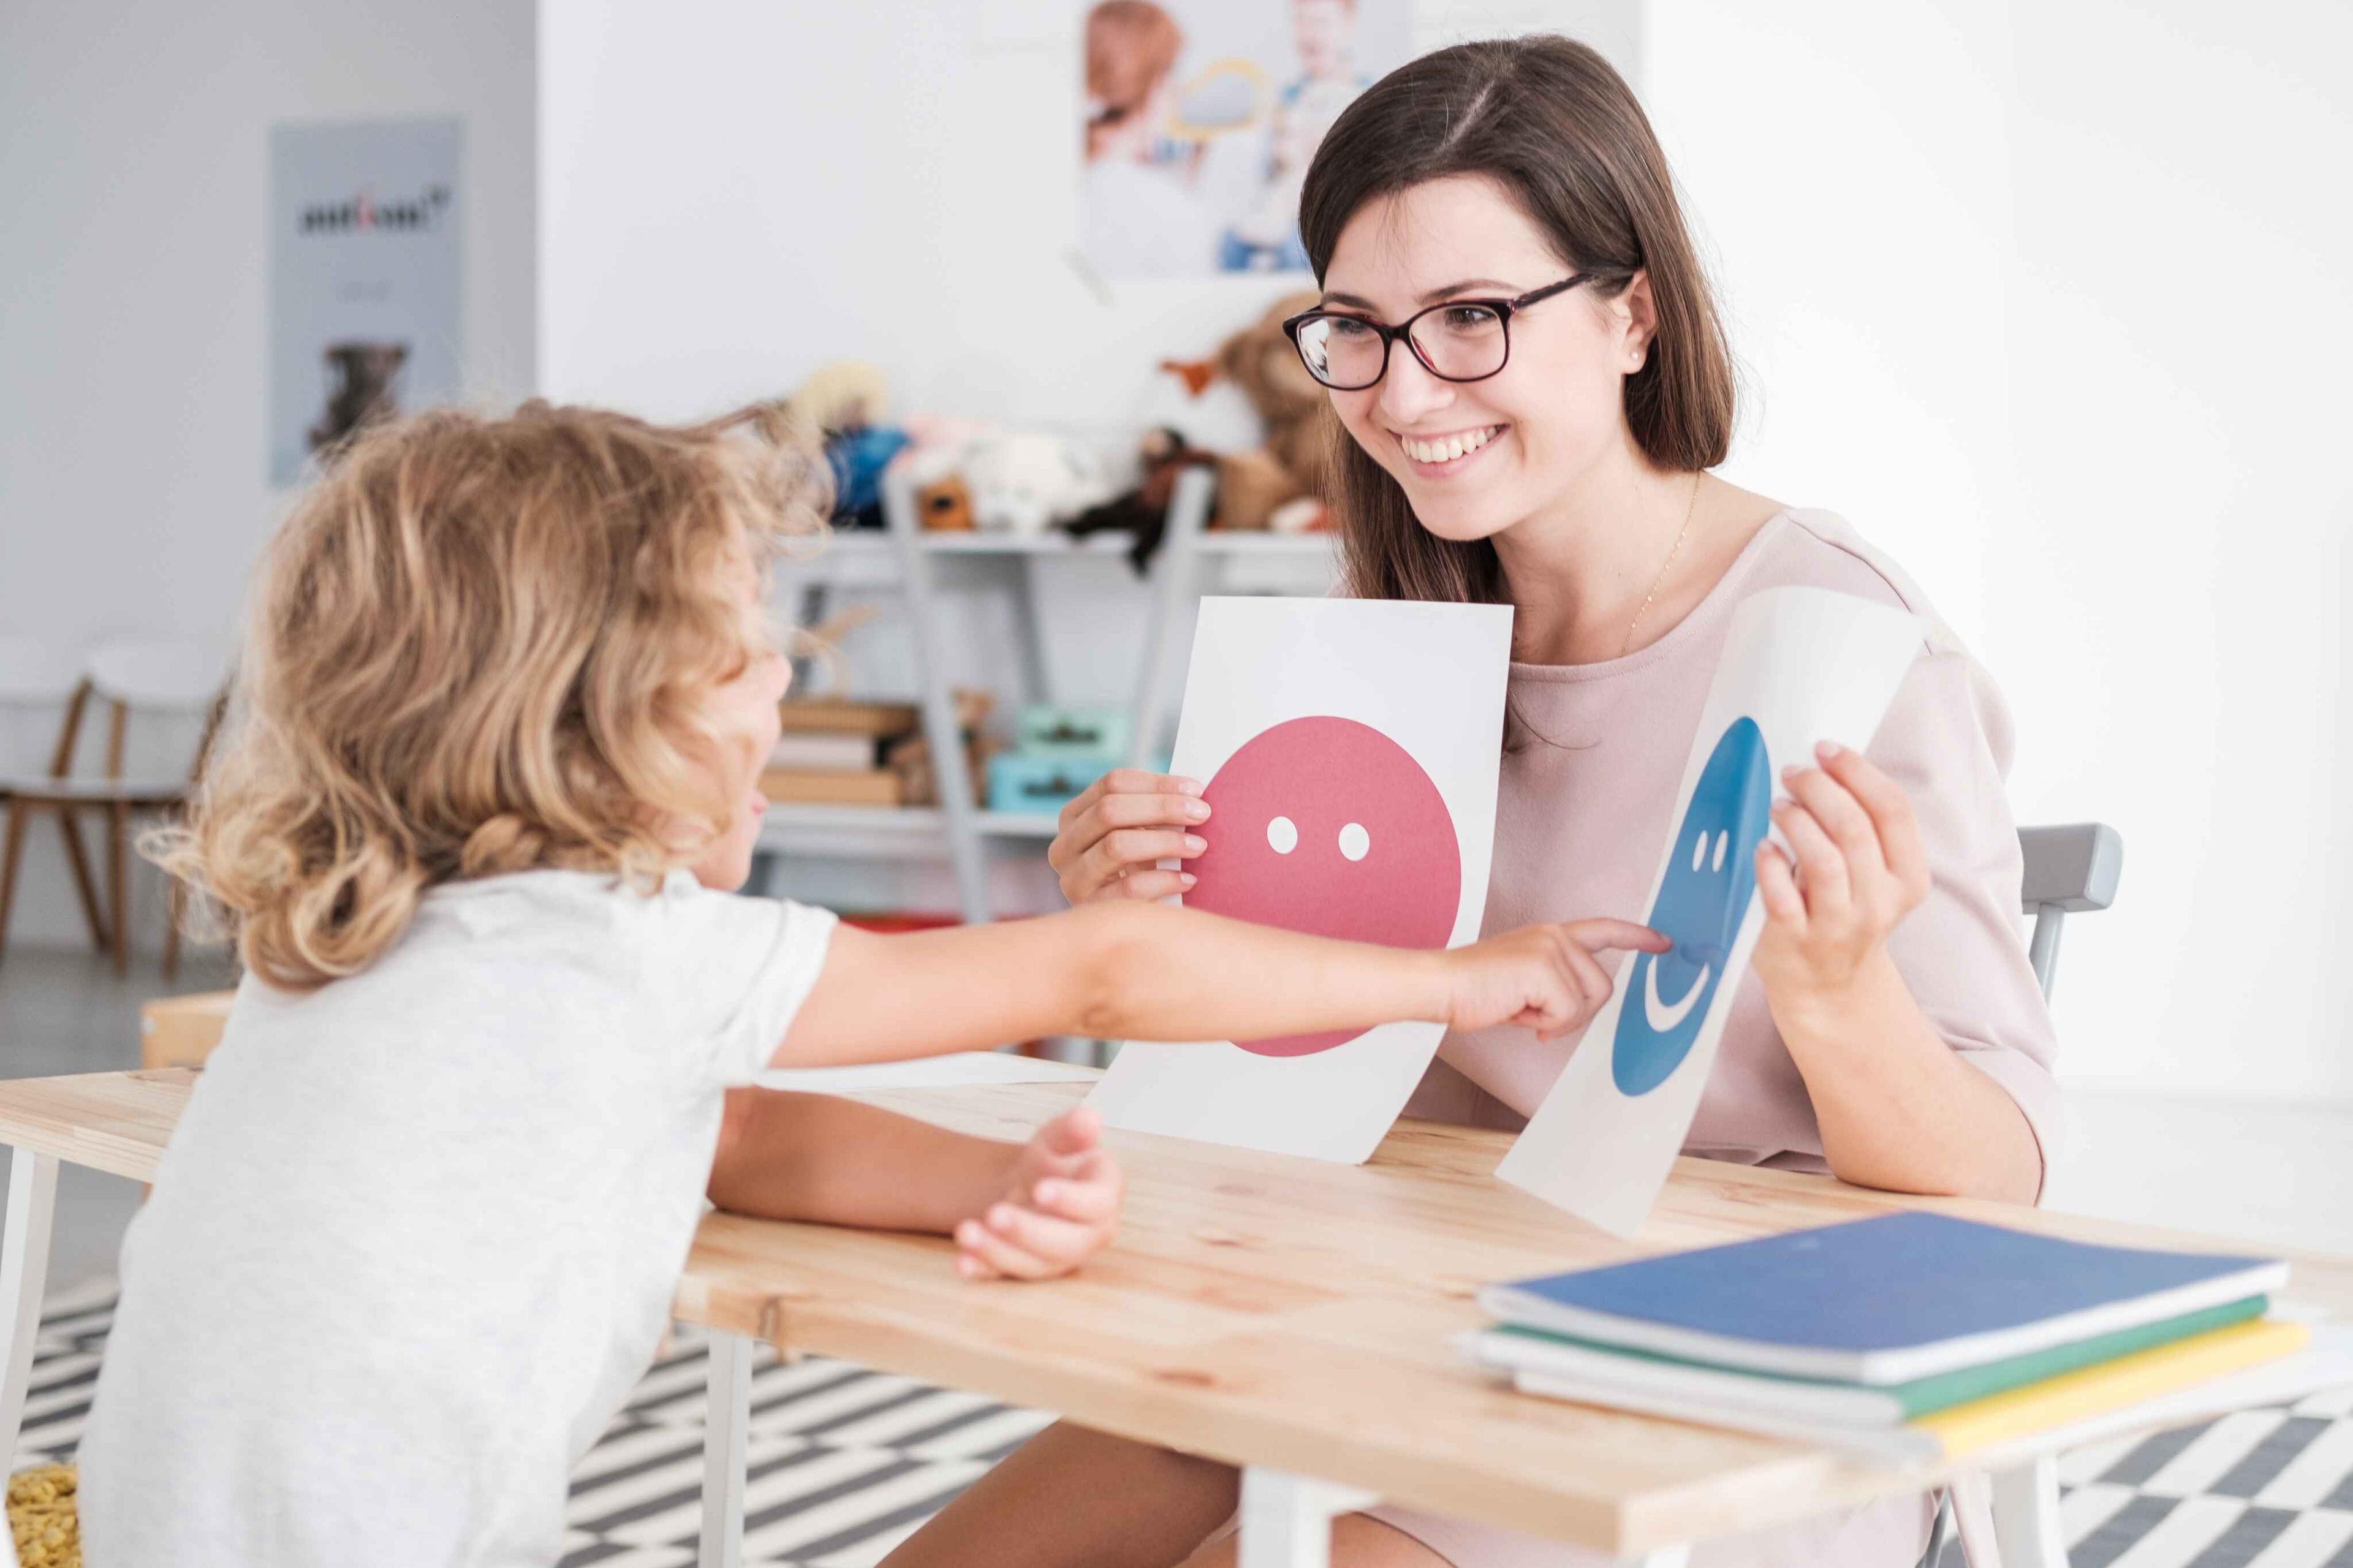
(2072, 867)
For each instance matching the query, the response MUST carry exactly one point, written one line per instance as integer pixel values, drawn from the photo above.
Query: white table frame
(2006, 1520)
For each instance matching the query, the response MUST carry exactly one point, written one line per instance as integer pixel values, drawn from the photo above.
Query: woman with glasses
(1532, 385)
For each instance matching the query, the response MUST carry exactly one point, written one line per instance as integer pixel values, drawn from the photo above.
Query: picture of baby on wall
(1266, 238)
(1199, 120)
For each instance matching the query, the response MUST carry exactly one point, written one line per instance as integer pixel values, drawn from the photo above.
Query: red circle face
(1327, 826)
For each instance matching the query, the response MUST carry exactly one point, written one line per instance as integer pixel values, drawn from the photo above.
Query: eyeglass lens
(1458, 343)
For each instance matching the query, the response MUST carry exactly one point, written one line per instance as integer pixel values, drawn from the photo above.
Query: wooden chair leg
(117, 880)
(13, 852)
(78, 860)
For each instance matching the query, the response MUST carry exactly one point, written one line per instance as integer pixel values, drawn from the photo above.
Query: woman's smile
(1447, 453)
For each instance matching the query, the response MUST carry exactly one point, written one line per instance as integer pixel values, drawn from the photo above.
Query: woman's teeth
(1452, 448)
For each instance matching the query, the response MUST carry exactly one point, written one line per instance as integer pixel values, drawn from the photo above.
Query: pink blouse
(1594, 756)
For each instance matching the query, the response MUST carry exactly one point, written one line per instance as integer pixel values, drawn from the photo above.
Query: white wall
(133, 179)
(2047, 297)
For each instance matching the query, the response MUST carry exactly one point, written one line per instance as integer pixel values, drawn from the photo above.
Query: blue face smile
(1711, 872)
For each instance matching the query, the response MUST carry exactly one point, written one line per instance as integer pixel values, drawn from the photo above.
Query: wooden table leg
(24, 1274)
(726, 1426)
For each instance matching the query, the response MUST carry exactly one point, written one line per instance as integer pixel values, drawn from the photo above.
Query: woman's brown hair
(1549, 120)
(479, 645)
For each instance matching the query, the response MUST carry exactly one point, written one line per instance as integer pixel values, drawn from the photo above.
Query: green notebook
(1603, 1366)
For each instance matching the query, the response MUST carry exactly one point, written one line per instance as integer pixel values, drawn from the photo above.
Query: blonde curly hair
(479, 645)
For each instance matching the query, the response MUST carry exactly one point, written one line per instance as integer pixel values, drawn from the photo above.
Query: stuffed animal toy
(944, 505)
(846, 401)
(1024, 483)
(1277, 485)
(1143, 510)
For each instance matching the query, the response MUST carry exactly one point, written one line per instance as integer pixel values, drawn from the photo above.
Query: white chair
(151, 676)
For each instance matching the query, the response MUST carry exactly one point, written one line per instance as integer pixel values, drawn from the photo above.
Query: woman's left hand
(1859, 870)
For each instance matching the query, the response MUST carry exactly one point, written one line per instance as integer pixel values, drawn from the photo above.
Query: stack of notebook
(1909, 1336)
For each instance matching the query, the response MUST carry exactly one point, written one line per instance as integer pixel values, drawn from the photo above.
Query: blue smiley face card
(1799, 665)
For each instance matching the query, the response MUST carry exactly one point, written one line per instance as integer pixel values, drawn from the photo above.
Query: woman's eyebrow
(1435, 295)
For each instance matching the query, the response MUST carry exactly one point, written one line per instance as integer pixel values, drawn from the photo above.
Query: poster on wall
(1800, 666)
(1348, 750)
(363, 302)
(1199, 119)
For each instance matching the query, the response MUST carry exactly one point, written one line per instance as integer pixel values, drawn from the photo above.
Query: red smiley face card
(1348, 751)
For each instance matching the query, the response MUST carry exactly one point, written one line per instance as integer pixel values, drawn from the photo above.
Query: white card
(1348, 750)
(1800, 667)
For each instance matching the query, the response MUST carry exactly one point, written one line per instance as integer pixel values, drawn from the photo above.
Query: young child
(505, 698)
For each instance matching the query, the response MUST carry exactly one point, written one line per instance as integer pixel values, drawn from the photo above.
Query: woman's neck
(1578, 569)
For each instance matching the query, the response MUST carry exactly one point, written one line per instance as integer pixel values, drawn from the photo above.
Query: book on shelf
(844, 716)
(818, 786)
(826, 751)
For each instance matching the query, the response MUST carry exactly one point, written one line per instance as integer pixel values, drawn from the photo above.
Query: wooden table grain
(1282, 1314)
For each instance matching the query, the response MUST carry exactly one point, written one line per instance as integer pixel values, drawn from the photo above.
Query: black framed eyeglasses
(1460, 339)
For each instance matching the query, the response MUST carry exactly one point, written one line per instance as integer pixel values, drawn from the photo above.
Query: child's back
(411, 1216)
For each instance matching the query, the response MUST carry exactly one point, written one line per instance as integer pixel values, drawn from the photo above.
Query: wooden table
(1286, 1315)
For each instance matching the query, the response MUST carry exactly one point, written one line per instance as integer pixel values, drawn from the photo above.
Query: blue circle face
(1711, 872)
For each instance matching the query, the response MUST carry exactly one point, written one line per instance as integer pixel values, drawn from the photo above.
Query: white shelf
(858, 544)
(805, 828)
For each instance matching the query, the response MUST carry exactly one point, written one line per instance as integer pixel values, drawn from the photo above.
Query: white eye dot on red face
(1283, 835)
(1354, 842)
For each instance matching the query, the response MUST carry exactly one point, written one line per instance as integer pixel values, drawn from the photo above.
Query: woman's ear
(1639, 315)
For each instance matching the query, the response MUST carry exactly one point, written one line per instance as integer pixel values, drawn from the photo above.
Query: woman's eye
(1346, 329)
(1470, 319)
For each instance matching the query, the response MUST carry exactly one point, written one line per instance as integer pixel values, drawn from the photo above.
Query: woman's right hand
(1112, 836)
(1544, 978)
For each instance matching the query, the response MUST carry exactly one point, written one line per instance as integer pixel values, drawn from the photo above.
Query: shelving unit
(956, 828)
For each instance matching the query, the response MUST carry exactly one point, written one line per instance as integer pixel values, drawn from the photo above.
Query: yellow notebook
(2097, 1390)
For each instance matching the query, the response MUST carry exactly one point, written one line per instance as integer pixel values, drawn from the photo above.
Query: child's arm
(1146, 971)
(1023, 1210)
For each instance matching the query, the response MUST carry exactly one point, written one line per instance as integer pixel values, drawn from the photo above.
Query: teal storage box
(1032, 784)
(1077, 734)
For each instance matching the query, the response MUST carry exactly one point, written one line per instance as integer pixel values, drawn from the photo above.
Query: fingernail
(1828, 749)
(1197, 811)
(1001, 1215)
(1790, 774)
(1187, 877)
(1195, 844)
(966, 1232)
(968, 1266)
(1047, 1193)
(1187, 786)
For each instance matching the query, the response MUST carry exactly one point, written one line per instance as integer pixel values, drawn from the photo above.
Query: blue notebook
(1878, 1300)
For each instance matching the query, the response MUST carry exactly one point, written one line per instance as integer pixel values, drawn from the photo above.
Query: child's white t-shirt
(417, 1235)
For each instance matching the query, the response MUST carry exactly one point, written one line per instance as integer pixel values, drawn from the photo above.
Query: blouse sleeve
(1946, 739)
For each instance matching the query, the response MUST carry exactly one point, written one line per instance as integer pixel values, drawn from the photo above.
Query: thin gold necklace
(1692, 506)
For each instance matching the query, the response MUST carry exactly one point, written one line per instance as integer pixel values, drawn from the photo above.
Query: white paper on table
(1800, 666)
(1348, 750)
(953, 1071)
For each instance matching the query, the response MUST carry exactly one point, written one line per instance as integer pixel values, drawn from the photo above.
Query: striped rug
(843, 1464)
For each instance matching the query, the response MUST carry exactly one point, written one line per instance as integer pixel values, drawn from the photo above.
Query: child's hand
(1061, 1206)
(1544, 978)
